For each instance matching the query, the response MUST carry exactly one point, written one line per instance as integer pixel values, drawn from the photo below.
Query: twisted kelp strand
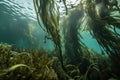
(48, 12)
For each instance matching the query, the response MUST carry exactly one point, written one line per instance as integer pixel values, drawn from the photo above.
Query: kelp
(73, 44)
(48, 12)
(38, 65)
(99, 24)
(35, 65)
(5, 72)
(90, 16)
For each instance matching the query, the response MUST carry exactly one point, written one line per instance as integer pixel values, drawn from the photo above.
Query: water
(19, 27)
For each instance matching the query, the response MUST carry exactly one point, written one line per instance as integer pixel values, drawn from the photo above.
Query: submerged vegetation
(100, 17)
(48, 12)
(33, 65)
(40, 65)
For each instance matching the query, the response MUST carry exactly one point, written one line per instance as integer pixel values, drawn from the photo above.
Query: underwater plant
(74, 47)
(48, 12)
(99, 17)
(32, 65)
(100, 22)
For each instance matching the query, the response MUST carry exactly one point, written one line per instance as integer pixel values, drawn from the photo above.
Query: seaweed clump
(31, 65)
(38, 65)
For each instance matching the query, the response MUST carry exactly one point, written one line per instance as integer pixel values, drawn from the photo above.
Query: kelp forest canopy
(100, 17)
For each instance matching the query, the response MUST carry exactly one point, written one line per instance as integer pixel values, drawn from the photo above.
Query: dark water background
(19, 27)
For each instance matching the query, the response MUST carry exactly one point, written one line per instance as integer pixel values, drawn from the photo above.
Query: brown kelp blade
(48, 12)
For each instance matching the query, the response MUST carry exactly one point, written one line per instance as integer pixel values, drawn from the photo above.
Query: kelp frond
(99, 27)
(73, 45)
(13, 68)
(48, 12)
